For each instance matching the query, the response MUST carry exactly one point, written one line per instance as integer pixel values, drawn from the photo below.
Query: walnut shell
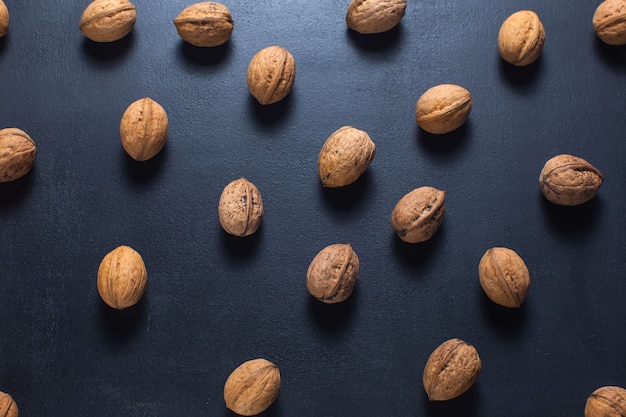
(333, 273)
(569, 180)
(451, 370)
(8, 408)
(443, 108)
(143, 129)
(504, 277)
(609, 22)
(122, 278)
(521, 38)
(271, 74)
(240, 208)
(609, 401)
(108, 20)
(4, 19)
(346, 154)
(374, 16)
(17, 154)
(252, 387)
(205, 24)
(418, 215)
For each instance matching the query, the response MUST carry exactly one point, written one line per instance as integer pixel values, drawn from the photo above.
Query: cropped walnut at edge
(4, 19)
(607, 401)
(17, 154)
(108, 20)
(609, 22)
(8, 408)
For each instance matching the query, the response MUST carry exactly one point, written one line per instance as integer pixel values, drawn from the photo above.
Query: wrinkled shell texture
(333, 273)
(609, 22)
(569, 180)
(122, 277)
(143, 129)
(8, 408)
(108, 20)
(504, 277)
(521, 38)
(205, 24)
(609, 401)
(4, 20)
(374, 16)
(346, 154)
(418, 215)
(240, 208)
(17, 154)
(443, 108)
(271, 74)
(451, 370)
(252, 387)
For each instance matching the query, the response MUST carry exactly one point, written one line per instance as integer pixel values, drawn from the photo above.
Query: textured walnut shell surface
(374, 16)
(609, 401)
(17, 154)
(333, 273)
(271, 74)
(609, 22)
(240, 208)
(122, 278)
(443, 108)
(143, 129)
(4, 20)
(521, 38)
(346, 154)
(205, 24)
(569, 180)
(419, 214)
(252, 387)
(108, 20)
(8, 408)
(504, 277)
(451, 370)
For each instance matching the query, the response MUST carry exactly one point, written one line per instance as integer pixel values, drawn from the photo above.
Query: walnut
(443, 108)
(271, 74)
(374, 16)
(569, 180)
(333, 273)
(8, 408)
(252, 387)
(240, 208)
(609, 22)
(108, 20)
(122, 278)
(419, 214)
(205, 24)
(4, 19)
(521, 38)
(346, 154)
(17, 154)
(504, 277)
(143, 129)
(608, 401)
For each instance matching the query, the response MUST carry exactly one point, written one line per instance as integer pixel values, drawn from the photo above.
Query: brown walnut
(521, 38)
(8, 408)
(374, 16)
(504, 277)
(252, 387)
(608, 401)
(609, 22)
(443, 108)
(205, 24)
(17, 154)
(108, 20)
(333, 273)
(122, 278)
(143, 129)
(346, 154)
(569, 180)
(419, 214)
(271, 74)
(4, 19)
(240, 208)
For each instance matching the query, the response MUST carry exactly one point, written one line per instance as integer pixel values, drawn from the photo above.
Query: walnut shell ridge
(419, 214)
(609, 22)
(4, 19)
(17, 154)
(333, 273)
(504, 277)
(443, 108)
(252, 387)
(108, 20)
(521, 38)
(122, 278)
(608, 401)
(374, 16)
(240, 208)
(345, 156)
(205, 24)
(143, 129)
(271, 74)
(569, 180)
(8, 407)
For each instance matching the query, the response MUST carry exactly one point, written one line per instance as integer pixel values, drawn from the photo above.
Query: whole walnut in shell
(504, 277)
(8, 408)
(252, 387)
(122, 278)
(346, 154)
(108, 20)
(521, 38)
(240, 208)
(143, 129)
(443, 108)
(609, 22)
(271, 74)
(608, 401)
(569, 180)
(419, 214)
(4, 19)
(374, 16)
(333, 273)
(205, 24)
(17, 154)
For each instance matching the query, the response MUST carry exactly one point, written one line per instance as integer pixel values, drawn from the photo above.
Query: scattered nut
(108, 20)
(205, 24)
(374, 16)
(521, 38)
(271, 74)
(240, 208)
(122, 277)
(17, 154)
(252, 387)
(143, 129)
(609, 401)
(504, 277)
(569, 180)
(333, 273)
(609, 22)
(443, 108)
(4, 19)
(418, 215)
(346, 154)
(8, 408)
(451, 370)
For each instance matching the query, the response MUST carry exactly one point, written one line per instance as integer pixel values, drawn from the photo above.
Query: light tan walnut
(419, 214)
(4, 19)
(374, 16)
(504, 277)
(144, 128)
(521, 38)
(17, 154)
(345, 156)
(271, 74)
(205, 24)
(122, 278)
(108, 20)
(443, 108)
(608, 401)
(240, 208)
(8, 408)
(252, 387)
(609, 22)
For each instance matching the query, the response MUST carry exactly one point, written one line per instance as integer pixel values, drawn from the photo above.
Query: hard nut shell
(521, 38)
(17, 154)
(252, 387)
(569, 180)
(205, 24)
(271, 74)
(240, 208)
(374, 16)
(443, 108)
(609, 401)
(346, 154)
(4, 20)
(333, 273)
(609, 22)
(451, 370)
(122, 278)
(8, 408)
(419, 214)
(143, 129)
(504, 277)
(108, 20)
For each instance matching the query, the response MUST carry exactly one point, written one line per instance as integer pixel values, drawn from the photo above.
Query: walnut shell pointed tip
(271, 74)
(252, 387)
